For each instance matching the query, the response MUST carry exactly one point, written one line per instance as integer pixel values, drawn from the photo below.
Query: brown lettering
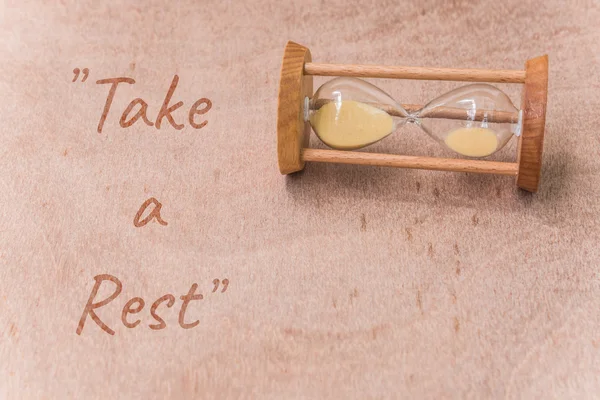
(161, 322)
(111, 94)
(155, 213)
(91, 306)
(141, 113)
(186, 300)
(165, 110)
(128, 309)
(194, 110)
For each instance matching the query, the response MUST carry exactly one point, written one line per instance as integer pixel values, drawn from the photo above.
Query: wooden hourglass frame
(293, 130)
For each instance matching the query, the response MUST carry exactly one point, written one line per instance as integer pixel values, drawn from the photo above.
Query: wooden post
(531, 142)
(292, 131)
(415, 162)
(422, 73)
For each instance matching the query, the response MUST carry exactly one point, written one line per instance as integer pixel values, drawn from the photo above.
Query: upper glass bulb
(474, 120)
(349, 113)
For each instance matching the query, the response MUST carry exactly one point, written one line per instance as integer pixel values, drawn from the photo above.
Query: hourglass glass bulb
(474, 120)
(477, 120)
(349, 113)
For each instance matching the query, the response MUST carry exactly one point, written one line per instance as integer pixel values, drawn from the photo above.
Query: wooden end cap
(292, 131)
(531, 142)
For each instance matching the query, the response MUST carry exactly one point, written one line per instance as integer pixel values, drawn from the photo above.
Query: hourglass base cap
(531, 142)
(292, 129)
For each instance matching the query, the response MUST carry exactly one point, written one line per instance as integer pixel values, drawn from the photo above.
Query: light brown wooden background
(345, 282)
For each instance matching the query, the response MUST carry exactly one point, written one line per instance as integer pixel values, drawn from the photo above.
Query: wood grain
(419, 73)
(292, 131)
(415, 162)
(535, 94)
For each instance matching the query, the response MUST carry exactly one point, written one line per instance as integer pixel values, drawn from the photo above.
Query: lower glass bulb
(473, 120)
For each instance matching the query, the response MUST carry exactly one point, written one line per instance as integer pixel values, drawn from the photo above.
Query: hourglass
(348, 113)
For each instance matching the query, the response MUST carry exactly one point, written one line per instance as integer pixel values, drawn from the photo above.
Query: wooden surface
(420, 73)
(531, 143)
(344, 282)
(400, 161)
(292, 131)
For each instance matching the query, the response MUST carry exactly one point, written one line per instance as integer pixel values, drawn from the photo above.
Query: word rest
(134, 306)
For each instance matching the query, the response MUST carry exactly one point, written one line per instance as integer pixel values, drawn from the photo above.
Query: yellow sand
(350, 124)
(472, 142)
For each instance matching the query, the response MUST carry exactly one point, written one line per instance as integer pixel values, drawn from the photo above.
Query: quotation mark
(85, 72)
(225, 283)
